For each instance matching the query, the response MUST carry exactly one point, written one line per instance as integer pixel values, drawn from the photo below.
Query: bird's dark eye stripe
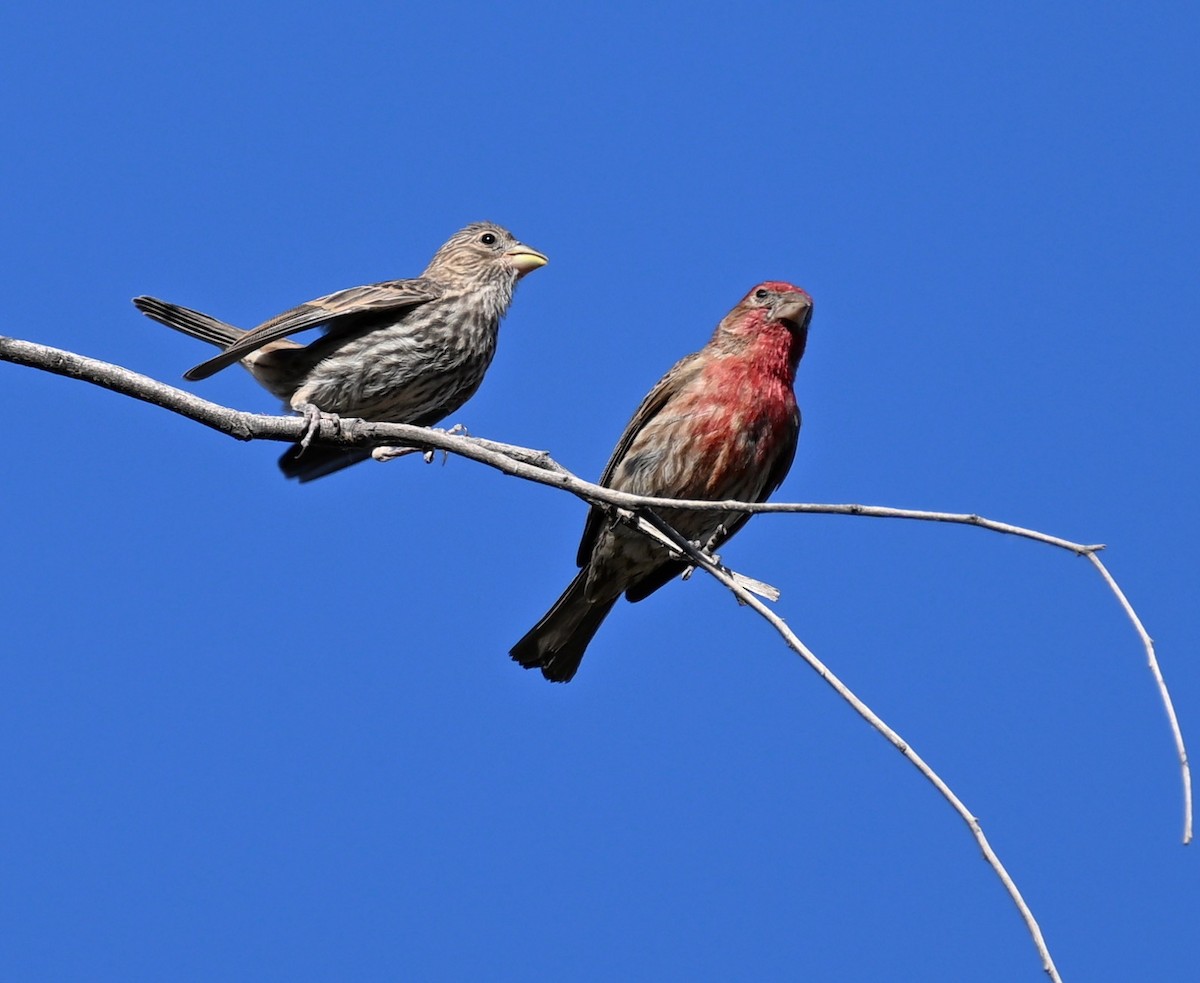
(487, 239)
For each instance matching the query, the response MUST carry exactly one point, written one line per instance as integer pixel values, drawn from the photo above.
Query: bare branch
(539, 466)
(652, 525)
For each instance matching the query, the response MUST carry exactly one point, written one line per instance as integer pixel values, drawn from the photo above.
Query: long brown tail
(556, 643)
(193, 323)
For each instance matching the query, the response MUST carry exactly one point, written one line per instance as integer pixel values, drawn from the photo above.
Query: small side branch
(1163, 692)
(655, 527)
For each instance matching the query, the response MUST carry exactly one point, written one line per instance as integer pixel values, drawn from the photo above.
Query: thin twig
(1148, 642)
(652, 525)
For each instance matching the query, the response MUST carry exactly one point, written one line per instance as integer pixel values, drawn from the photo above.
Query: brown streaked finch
(402, 351)
(721, 425)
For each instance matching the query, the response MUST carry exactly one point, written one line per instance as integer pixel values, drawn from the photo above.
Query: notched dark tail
(317, 460)
(192, 323)
(556, 644)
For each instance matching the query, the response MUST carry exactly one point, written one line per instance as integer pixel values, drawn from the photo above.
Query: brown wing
(679, 375)
(669, 571)
(337, 311)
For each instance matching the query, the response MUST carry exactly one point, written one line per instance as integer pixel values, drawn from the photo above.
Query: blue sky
(251, 730)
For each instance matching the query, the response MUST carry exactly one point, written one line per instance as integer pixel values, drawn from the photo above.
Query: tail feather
(556, 643)
(316, 460)
(192, 323)
(305, 464)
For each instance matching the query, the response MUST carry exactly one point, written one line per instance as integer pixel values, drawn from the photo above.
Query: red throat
(773, 350)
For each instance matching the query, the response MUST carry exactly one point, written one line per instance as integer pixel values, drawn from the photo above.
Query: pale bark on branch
(539, 466)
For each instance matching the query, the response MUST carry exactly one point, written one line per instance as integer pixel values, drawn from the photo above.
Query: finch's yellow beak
(524, 259)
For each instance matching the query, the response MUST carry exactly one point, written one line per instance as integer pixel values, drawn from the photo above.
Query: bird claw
(455, 431)
(720, 534)
(314, 417)
(383, 454)
(706, 549)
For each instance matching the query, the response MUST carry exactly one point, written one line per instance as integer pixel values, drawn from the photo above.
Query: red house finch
(402, 351)
(721, 424)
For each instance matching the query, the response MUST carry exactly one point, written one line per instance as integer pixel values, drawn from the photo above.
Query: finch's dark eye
(488, 239)
(760, 293)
